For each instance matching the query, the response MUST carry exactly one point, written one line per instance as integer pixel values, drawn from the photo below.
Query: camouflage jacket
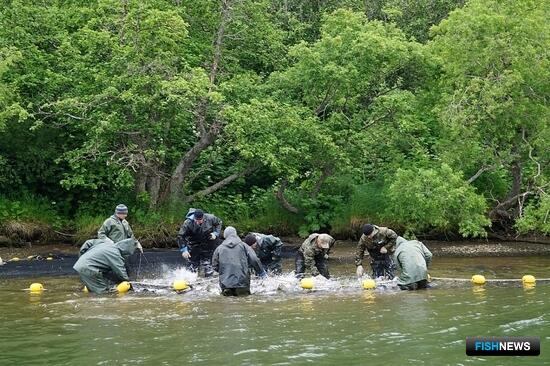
(384, 237)
(310, 250)
(269, 247)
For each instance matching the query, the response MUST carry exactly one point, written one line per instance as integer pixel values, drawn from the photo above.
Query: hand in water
(186, 255)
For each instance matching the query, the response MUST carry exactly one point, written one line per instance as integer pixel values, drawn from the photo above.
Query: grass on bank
(29, 218)
(159, 227)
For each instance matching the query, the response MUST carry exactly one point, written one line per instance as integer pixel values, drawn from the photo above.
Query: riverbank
(343, 251)
(35, 222)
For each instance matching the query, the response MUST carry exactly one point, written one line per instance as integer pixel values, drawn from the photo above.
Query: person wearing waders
(102, 265)
(379, 242)
(412, 259)
(116, 228)
(311, 257)
(232, 260)
(197, 238)
(268, 249)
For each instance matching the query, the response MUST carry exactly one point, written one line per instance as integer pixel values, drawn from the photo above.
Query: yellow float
(478, 280)
(180, 285)
(307, 283)
(528, 280)
(36, 288)
(369, 284)
(123, 287)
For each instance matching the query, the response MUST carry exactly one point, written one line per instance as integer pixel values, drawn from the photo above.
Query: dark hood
(126, 246)
(231, 238)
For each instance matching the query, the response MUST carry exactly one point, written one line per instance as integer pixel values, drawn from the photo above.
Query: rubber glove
(360, 271)
(213, 236)
(185, 253)
(383, 250)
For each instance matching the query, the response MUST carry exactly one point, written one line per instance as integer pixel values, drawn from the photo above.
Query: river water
(280, 324)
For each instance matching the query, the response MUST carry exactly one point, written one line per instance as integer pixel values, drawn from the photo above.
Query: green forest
(285, 117)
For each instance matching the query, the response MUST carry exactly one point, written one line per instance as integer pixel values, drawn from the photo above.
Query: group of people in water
(204, 249)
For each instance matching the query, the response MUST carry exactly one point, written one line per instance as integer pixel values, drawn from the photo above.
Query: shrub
(536, 216)
(436, 198)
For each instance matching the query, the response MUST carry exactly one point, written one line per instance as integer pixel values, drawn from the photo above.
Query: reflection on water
(336, 323)
(480, 292)
(529, 288)
(369, 297)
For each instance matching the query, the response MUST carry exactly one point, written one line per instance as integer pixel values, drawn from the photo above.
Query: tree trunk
(481, 170)
(153, 186)
(282, 200)
(141, 181)
(515, 171)
(327, 172)
(219, 185)
(508, 209)
(207, 134)
(180, 173)
(515, 191)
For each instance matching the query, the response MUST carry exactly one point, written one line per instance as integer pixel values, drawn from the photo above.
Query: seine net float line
(307, 283)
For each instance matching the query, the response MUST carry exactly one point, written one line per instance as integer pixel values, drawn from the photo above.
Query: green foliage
(8, 176)
(86, 227)
(9, 108)
(347, 104)
(359, 79)
(494, 55)
(319, 213)
(536, 217)
(436, 198)
(258, 212)
(132, 53)
(367, 203)
(27, 208)
(282, 137)
(259, 44)
(415, 17)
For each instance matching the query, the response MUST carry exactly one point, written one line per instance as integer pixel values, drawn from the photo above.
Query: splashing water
(285, 283)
